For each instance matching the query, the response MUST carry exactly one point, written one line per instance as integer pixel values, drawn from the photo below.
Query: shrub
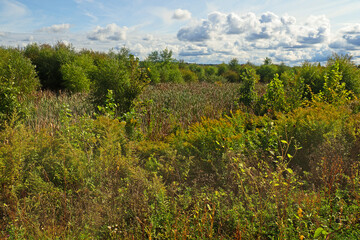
(188, 75)
(313, 77)
(247, 90)
(125, 79)
(48, 61)
(350, 74)
(274, 98)
(267, 72)
(17, 80)
(76, 74)
(231, 76)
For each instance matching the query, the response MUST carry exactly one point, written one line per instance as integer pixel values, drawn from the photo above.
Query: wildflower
(300, 213)
(302, 237)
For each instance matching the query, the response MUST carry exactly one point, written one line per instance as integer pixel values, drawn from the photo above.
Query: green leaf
(289, 170)
(318, 232)
(283, 141)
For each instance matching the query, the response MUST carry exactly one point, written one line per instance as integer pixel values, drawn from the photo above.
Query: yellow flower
(299, 212)
(302, 237)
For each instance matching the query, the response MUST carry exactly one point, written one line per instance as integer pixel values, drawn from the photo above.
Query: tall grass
(45, 108)
(164, 108)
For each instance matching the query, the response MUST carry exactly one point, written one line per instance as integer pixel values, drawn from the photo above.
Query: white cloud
(57, 28)
(315, 30)
(181, 14)
(197, 33)
(277, 31)
(111, 32)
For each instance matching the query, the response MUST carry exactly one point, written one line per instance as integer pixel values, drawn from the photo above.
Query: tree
(274, 97)
(350, 74)
(18, 79)
(247, 90)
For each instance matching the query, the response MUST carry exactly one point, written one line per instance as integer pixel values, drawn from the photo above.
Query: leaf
(318, 232)
(289, 155)
(290, 170)
(283, 141)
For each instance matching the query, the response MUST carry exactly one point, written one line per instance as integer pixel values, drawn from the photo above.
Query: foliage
(17, 80)
(76, 74)
(313, 77)
(348, 71)
(249, 79)
(48, 61)
(274, 98)
(267, 71)
(126, 80)
(176, 160)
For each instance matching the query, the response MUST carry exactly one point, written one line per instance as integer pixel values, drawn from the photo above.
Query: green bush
(231, 76)
(350, 74)
(48, 61)
(313, 77)
(17, 80)
(76, 74)
(247, 90)
(275, 98)
(188, 75)
(125, 79)
(267, 72)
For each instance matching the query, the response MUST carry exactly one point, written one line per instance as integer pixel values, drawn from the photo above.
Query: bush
(188, 75)
(125, 79)
(76, 74)
(350, 74)
(274, 98)
(313, 77)
(247, 89)
(48, 61)
(267, 72)
(17, 80)
(231, 76)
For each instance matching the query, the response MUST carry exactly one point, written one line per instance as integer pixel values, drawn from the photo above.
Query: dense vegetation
(104, 146)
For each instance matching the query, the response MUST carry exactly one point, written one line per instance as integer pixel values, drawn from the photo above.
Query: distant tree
(267, 61)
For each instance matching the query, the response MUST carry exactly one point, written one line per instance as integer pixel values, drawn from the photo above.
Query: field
(104, 146)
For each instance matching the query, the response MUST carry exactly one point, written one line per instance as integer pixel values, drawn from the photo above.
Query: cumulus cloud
(230, 35)
(316, 30)
(181, 14)
(278, 31)
(351, 34)
(196, 33)
(111, 32)
(57, 28)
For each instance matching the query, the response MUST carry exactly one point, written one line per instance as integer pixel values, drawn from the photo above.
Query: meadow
(105, 146)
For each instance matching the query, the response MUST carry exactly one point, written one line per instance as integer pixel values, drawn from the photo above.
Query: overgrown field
(104, 146)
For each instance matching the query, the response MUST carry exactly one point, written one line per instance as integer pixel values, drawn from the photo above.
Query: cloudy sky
(289, 31)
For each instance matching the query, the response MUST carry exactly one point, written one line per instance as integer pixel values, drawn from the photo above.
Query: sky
(288, 31)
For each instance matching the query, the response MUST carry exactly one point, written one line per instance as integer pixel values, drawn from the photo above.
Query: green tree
(18, 80)
(350, 74)
(274, 97)
(248, 94)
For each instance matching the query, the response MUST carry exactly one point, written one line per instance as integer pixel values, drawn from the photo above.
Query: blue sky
(196, 31)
